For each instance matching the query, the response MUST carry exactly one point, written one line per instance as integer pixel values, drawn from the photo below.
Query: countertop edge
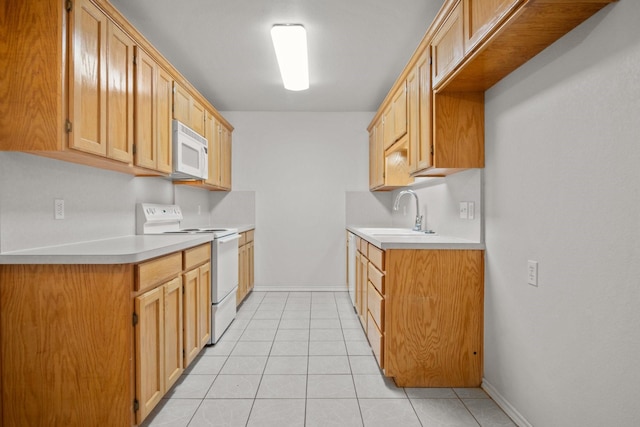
(455, 243)
(125, 255)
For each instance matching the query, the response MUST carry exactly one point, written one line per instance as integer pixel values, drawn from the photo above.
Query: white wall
(562, 187)
(300, 165)
(98, 204)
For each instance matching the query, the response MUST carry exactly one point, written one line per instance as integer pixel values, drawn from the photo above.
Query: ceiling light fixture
(290, 44)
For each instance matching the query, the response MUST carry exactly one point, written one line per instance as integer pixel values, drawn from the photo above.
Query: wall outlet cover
(464, 210)
(532, 273)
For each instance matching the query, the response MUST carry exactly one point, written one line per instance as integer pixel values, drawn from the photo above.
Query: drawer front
(375, 304)
(152, 273)
(249, 236)
(376, 256)
(376, 340)
(376, 277)
(243, 239)
(196, 256)
(363, 247)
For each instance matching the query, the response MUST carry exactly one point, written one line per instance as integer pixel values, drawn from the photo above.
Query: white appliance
(165, 219)
(190, 153)
(351, 266)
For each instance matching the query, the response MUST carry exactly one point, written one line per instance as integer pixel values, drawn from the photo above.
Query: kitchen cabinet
(394, 117)
(197, 301)
(153, 100)
(158, 332)
(101, 107)
(225, 158)
(447, 47)
(188, 109)
(420, 115)
(424, 314)
(388, 169)
(245, 265)
(92, 344)
(90, 91)
(480, 16)
(469, 46)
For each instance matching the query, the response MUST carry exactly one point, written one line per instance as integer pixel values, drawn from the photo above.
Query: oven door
(224, 277)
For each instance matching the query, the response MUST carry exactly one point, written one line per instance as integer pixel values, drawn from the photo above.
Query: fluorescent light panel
(290, 44)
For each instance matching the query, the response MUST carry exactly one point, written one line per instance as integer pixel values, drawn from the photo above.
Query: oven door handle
(230, 238)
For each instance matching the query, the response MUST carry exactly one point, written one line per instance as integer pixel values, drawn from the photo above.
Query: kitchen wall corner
(232, 208)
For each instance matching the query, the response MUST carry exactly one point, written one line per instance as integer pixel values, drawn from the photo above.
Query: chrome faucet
(418, 224)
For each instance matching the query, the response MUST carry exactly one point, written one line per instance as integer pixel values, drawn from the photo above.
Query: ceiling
(357, 48)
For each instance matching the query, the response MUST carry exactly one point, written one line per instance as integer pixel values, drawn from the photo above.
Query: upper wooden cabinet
(153, 98)
(447, 46)
(97, 94)
(101, 88)
(470, 46)
(480, 16)
(187, 109)
(394, 117)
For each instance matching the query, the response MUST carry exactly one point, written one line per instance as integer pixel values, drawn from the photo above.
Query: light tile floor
(302, 359)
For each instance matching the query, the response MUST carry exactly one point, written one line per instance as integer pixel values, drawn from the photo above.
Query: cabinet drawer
(376, 340)
(376, 256)
(196, 256)
(375, 304)
(243, 239)
(249, 236)
(363, 247)
(376, 277)
(156, 271)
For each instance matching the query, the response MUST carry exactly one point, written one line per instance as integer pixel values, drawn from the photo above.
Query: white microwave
(190, 153)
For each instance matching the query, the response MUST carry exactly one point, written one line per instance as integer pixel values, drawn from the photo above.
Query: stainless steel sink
(395, 232)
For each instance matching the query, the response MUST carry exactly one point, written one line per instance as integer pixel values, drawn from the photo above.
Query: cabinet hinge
(68, 5)
(432, 149)
(133, 148)
(430, 60)
(135, 60)
(68, 126)
(135, 319)
(136, 405)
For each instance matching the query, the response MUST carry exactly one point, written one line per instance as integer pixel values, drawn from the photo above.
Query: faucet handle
(418, 225)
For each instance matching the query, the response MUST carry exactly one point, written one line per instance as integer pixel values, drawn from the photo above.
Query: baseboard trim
(505, 405)
(300, 288)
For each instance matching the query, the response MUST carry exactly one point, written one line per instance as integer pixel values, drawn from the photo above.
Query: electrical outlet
(472, 210)
(464, 210)
(532, 270)
(58, 209)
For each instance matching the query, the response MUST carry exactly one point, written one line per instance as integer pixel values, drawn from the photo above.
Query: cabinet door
(388, 135)
(400, 112)
(212, 133)
(181, 104)
(225, 158)
(173, 366)
(420, 122)
(481, 16)
(164, 101)
(149, 332)
(197, 117)
(190, 281)
(88, 74)
(204, 304)
(448, 45)
(373, 159)
(251, 269)
(242, 277)
(145, 111)
(119, 94)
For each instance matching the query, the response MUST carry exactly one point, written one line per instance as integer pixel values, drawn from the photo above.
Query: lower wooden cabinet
(96, 344)
(245, 265)
(422, 311)
(158, 344)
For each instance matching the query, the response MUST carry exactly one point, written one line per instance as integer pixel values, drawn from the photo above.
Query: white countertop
(117, 250)
(397, 238)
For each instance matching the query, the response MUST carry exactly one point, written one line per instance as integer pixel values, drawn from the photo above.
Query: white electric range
(165, 219)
